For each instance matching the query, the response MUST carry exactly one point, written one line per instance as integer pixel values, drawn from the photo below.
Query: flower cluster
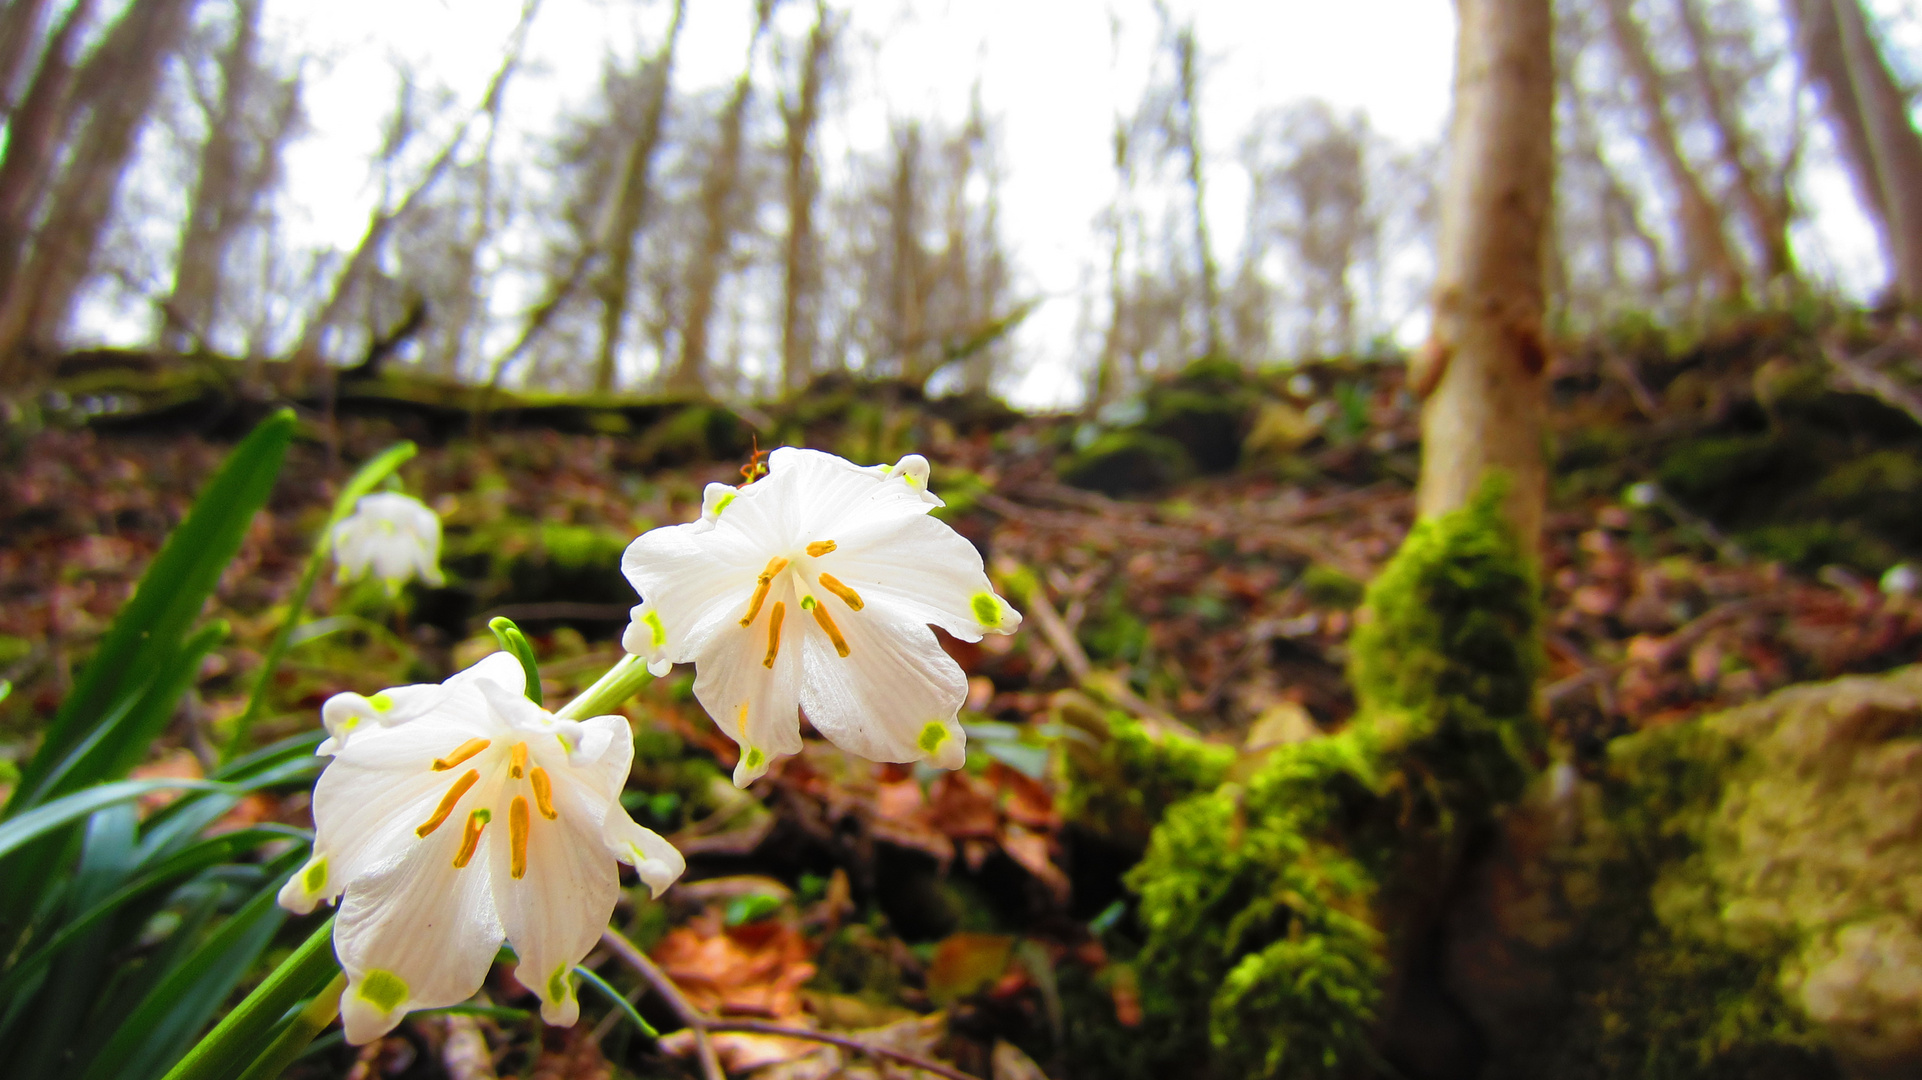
(813, 590)
(456, 816)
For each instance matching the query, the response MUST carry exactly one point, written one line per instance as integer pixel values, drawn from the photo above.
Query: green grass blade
(292, 1041)
(618, 999)
(239, 1036)
(363, 481)
(41, 820)
(171, 593)
(165, 1021)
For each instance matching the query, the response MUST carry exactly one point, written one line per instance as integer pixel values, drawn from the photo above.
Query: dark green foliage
(1121, 779)
(1328, 587)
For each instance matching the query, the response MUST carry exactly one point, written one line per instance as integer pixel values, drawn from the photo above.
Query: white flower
(454, 816)
(813, 588)
(395, 536)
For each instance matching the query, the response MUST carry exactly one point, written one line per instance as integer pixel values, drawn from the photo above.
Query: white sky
(1049, 70)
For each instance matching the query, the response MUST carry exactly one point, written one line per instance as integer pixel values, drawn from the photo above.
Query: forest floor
(1729, 515)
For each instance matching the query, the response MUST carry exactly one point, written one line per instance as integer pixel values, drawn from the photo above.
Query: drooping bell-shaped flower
(394, 537)
(454, 816)
(814, 588)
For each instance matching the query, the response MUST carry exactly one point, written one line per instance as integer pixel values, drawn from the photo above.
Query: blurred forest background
(1666, 861)
(711, 239)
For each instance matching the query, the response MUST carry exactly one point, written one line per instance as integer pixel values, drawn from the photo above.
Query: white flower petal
(657, 862)
(502, 668)
(925, 570)
(756, 706)
(555, 912)
(893, 697)
(416, 934)
(694, 579)
(344, 714)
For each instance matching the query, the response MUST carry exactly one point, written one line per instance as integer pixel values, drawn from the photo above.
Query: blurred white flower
(393, 536)
(813, 589)
(1900, 580)
(456, 816)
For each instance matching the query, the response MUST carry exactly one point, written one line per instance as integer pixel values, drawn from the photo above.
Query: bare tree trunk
(19, 27)
(800, 263)
(909, 315)
(719, 222)
(1188, 86)
(35, 133)
(121, 80)
(1706, 246)
(1894, 148)
(1818, 43)
(1765, 212)
(1482, 373)
(615, 284)
(220, 207)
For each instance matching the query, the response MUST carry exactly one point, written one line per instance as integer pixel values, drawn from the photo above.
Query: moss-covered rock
(1735, 896)
(1118, 778)
(1128, 462)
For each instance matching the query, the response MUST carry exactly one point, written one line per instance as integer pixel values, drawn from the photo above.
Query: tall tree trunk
(1765, 213)
(719, 223)
(908, 314)
(19, 29)
(1482, 372)
(1706, 247)
(1818, 43)
(120, 80)
(35, 133)
(220, 206)
(1894, 147)
(1188, 86)
(801, 259)
(615, 283)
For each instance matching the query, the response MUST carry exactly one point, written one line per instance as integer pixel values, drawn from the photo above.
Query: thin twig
(759, 1027)
(1075, 659)
(1858, 373)
(697, 1021)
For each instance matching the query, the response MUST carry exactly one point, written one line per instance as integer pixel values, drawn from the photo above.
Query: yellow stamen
(461, 753)
(761, 586)
(820, 548)
(847, 595)
(470, 840)
(517, 761)
(517, 837)
(774, 633)
(827, 623)
(544, 793)
(467, 779)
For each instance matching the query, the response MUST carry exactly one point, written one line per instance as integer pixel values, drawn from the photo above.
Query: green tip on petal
(314, 878)
(384, 990)
(725, 500)
(381, 702)
(754, 757)
(987, 609)
(558, 987)
(932, 736)
(653, 621)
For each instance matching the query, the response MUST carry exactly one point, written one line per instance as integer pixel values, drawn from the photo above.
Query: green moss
(1264, 903)
(1118, 778)
(1445, 658)
(1261, 954)
(1130, 462)
(1326, 586)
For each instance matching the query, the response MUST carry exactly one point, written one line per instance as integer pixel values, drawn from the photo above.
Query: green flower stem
(309, 1022)
(364, 481)
(609, 691)
(620, 1002)
(237, 1038)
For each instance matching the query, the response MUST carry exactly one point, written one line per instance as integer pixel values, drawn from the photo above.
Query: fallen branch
(1075, 659)
(914, 1061)
(1857, 373)
(703, 1025)
(697, 1021)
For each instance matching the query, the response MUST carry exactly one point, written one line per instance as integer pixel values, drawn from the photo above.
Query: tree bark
(1188, 86)
(908, 309)
(1482, 372)
(19, 28)
(1764, 209)
(1706, 246)
(615, 284)
(1895, 150)
(718, 225)
(120, 82)
(35, 133)
(800, 262)
(220, 204)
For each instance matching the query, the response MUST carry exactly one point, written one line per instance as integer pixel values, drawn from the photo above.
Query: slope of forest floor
(1729, 515)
